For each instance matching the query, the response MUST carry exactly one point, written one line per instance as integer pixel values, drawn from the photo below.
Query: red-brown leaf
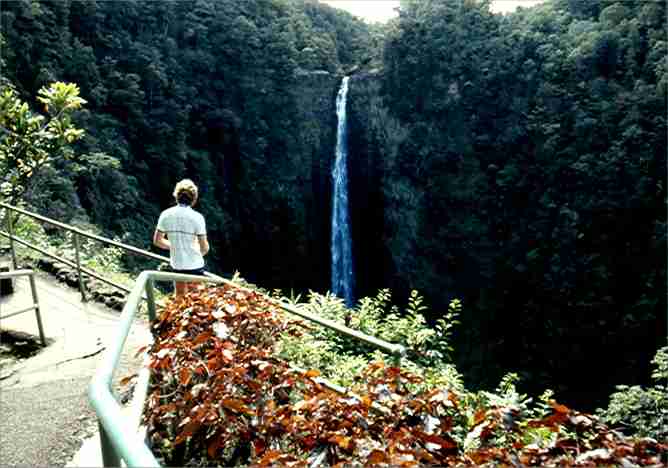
(188, 430)
(141, 350)
(214, 445)
(559, 408)
(212, 363)
(184, 376)
(259, 446)
(434, 439)
(269, 457)
(235, 405)
(167, 408)
(202, 338)
(341, 441)
(126, 380)
(479, 416)
(376, 457)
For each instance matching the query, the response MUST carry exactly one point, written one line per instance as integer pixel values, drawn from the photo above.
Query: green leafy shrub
(94, 255)
(342, 359)
(639, 411)
(31, 231)
(30, 141)
(483, 420)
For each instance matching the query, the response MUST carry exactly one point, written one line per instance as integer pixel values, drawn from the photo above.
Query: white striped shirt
(182, 225)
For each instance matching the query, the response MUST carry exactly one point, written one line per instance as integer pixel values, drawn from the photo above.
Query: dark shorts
(197, 271)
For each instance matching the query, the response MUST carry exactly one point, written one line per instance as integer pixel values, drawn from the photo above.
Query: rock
(106, 291)
(72, 279)
(114, 302)
(301, 73)
(119, 294)
(46, 264)
(6, 284)
(126, 394)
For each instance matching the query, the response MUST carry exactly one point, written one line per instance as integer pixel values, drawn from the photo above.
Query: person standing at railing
(182, 231)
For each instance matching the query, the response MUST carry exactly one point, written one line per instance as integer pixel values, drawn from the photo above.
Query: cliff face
(269, 214)
(372, 260)
(315, 141)
(283, 189)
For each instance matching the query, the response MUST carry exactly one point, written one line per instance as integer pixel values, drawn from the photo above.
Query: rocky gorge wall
(303, 256)
(373, 268)
(316, 99)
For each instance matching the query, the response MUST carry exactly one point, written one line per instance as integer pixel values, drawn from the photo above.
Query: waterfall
(342, 255)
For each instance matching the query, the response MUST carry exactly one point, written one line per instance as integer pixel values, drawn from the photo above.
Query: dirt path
(43, 399)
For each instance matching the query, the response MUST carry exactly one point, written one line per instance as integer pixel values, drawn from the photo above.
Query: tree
(32, 141)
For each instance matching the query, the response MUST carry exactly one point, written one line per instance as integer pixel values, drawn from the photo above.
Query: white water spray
(342, 256)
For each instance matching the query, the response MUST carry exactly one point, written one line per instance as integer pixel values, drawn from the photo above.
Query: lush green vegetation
(515, 162)
(343, 360)
(642, 411)
(105, 260)
(31, 142)
(520, 163)
(206, 89)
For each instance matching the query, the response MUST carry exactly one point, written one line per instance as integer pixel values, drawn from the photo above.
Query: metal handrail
(115, 442)
(89, 235)
(77, 263)
(35, 301)
(69, 263)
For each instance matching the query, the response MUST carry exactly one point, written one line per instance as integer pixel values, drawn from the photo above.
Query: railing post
(396, 357)
(82, 288)
(109, 455)
(150, 300)
(35, 300)
(10, 230)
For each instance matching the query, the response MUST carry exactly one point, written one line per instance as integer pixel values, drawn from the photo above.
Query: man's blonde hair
(185, 192)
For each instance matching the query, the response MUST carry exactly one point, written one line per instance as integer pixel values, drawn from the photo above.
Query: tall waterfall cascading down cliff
(342, 255)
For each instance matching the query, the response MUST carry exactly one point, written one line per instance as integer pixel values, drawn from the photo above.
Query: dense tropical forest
(516, 162)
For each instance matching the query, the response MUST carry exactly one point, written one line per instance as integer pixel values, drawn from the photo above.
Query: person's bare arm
(203, 244)
(160, 240)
